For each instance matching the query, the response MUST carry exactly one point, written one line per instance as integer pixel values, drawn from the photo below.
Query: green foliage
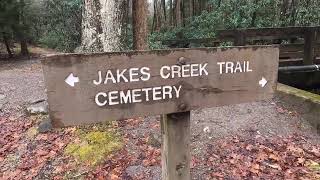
(12, 18)
(234, 14)
(308, 13)
(9, 15)
(61, 24)
(156, 38)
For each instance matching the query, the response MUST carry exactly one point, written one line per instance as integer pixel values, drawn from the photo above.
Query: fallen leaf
(274, 157)
(217, 174)
(301, 161)
(274, 166)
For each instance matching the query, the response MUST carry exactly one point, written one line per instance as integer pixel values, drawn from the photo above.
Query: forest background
(61, 24)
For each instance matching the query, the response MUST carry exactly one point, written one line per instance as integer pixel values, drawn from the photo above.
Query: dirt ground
(221, 139)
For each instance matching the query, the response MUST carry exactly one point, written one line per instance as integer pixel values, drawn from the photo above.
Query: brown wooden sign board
(91, 88)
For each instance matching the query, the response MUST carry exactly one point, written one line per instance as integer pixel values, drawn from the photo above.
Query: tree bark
(178, 16)
(283, 12)
(139, 23)
(113, 24)
(103, 25)
(196, 7)
(24, 47)
(6, 42)
(22, 31)
(159, 19)
(171, 13)
(91, 27)
(293, 13)
(164, 8)
(254, 15)
(187, 9)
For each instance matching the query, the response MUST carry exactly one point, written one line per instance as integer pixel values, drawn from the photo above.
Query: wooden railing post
(240, 39)
(310, 38)
(175, 130)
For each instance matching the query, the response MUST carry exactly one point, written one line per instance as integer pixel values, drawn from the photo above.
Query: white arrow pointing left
(71, 80)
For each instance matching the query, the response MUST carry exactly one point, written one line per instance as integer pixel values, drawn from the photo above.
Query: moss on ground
(314, 166)
(92, 147)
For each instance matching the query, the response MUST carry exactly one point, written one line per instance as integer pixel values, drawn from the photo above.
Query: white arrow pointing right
(263, 82)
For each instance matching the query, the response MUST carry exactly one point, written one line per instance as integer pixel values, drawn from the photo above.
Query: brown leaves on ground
(26, 154)
(267, 158)
(22, 157)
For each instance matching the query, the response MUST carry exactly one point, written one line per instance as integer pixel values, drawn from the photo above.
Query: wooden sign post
(176, 146)
(91, 88)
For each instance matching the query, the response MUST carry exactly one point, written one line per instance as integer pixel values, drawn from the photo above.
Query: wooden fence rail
(301, 43)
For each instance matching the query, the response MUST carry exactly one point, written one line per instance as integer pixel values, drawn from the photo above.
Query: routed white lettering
(120, 75)
(166, 91)
(99, 79)
(238, 68)
(156, 92)
(113, 95)
(134, 74)
(145, 71)
(146, 91)
(109, 76)
(234, 67)
(186, 70)
(203, 70)
(177, 91)
(165, 76)
(98, 102)
(135, 95)
(194, 70)
(125, 98)
(229, 66)
(248, 67)
(175, 70)
(221, 66)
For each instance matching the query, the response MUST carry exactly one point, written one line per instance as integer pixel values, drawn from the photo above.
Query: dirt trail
(21, 83)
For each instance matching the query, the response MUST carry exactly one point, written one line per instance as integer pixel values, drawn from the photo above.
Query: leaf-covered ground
(262, 140)
(27, 154)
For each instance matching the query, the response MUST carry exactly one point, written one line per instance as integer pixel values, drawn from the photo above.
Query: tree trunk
(177, 10)
(171, 13)
(188, 9)
(103, 25)
(164, 8)
(114, 13)
(24, 47)
(196, 7)
(139, 23)
(254, 16)
(6, 42)
(203, 5)
(293, 13)
(283, 13)
(21, 32)
(158, 16)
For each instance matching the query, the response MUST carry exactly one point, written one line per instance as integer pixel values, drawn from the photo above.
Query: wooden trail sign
(91, 88)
